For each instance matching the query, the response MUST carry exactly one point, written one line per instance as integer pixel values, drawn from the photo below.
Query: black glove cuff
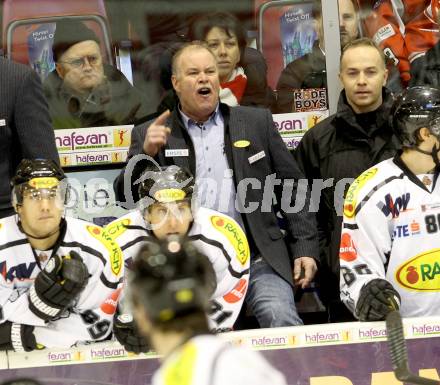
(41, 308)
(17, 343)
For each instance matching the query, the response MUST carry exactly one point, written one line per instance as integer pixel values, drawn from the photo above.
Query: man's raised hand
(157, 134)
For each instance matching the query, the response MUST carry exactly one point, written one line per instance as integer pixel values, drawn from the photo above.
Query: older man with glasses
(83, 91)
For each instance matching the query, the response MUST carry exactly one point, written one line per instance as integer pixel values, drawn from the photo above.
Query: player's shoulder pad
(224, 226)
(7, 223)
(112, 249)
(120, 225)
(9, 231)
(367, 184)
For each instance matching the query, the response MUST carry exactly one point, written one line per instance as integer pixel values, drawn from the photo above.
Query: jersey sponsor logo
(235, 236)
(414, 227)
(421, 273)
(110, 304)
(21, 271)
(401, 231)
(115, 229)
(45, 182)
(237, 293)
(347, 251)
(169, 195)
(394, 206)
(112, 247)
(353, 191)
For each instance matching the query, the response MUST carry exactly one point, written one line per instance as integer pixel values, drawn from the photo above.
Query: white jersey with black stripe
(214, 234)
(391, 230)
(207, 359)
(90, 317)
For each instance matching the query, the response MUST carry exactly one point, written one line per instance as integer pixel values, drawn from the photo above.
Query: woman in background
(242, 70)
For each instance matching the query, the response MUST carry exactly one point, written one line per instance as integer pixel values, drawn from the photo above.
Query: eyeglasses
(80, 62)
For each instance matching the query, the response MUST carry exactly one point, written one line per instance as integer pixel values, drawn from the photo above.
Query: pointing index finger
(162, 118)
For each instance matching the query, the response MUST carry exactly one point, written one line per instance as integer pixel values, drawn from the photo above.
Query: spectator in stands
(83, 91)
(348, 21)
(57, 272)
(242, 70)
(170, 298)
(230, 144)
(425, 70)
(309, 71)
(25, 126)
(343, 146)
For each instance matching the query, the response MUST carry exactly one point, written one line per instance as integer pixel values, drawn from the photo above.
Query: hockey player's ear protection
(170, 279)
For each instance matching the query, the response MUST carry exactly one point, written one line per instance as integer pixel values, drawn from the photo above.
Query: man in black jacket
(83, 91)
(341, 147)
(25, 129)
(239, 150)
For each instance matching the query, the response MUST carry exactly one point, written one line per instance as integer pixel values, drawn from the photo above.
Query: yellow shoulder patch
(235, 235)
(114, 251)
(181, 370)
(350, 202)
(115, 229)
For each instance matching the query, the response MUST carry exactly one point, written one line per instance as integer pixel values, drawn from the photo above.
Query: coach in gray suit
(25, 128)
(210, 138)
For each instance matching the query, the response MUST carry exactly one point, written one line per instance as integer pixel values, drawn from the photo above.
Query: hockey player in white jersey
(166, 209)
(59, 277)
(390, 243)
(169, 301)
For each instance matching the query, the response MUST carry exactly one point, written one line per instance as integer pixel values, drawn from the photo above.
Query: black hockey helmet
(169, 184)
(414, 108)
(36, 168)
(37, 174)
(170, 279)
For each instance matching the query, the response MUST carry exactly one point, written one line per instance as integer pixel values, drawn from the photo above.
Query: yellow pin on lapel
(242, 143)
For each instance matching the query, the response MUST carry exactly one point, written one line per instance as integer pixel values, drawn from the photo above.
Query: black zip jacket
(342, 146)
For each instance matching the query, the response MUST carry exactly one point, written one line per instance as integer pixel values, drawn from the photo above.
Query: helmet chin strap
(433, 153)
(34, 236)
(20, 226)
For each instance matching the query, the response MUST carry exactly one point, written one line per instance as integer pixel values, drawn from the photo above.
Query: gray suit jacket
(256, 126)
(25, 128)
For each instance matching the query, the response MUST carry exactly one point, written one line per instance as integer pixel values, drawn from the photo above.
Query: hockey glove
(17, 337)
(127, 334)
(377, 298)
(57, 285)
